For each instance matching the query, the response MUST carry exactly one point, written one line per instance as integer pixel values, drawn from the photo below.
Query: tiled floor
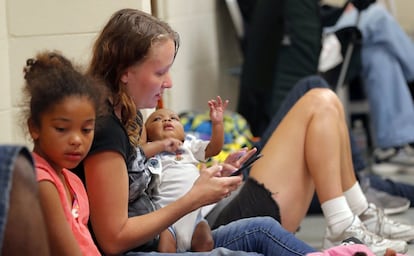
(313, 227)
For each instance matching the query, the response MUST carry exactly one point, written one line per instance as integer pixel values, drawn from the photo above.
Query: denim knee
(8, 156)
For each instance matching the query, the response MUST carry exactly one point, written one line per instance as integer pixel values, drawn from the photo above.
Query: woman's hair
(126, 40)
(50, 78)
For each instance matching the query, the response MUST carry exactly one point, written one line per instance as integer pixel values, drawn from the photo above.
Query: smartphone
(246, 164)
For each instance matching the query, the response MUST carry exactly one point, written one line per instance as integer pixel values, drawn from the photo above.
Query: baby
(179, 156)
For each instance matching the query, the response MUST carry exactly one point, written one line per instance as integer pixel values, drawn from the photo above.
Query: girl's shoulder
(43, 169)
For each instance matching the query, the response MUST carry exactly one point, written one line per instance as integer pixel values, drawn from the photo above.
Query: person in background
(387, 54)
(265, 69)
(62, 107)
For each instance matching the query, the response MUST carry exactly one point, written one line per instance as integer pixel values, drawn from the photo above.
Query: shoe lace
(367, 237)
(381, 219)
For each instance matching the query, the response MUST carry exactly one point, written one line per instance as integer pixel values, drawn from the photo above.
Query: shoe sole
(387, 169)
(408, 170)
(397, 210)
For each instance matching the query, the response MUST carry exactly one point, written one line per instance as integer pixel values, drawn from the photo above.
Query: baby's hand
(217, 108)
(171, 144)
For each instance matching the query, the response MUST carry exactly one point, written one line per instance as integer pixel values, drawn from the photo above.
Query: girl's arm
(107, 186)
(61, 238)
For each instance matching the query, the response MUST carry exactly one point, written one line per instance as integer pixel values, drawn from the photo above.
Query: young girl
(61, 117)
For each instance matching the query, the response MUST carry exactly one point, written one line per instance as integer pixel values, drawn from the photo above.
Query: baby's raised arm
(217, 109)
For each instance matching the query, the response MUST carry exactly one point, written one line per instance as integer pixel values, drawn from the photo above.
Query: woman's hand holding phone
(249, 162)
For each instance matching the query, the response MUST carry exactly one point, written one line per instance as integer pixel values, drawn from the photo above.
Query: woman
(137, 75)
(133, 55)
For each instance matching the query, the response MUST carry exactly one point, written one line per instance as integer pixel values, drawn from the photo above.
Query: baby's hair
(50, 78)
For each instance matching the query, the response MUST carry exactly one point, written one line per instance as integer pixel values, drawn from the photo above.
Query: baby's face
(162, 124)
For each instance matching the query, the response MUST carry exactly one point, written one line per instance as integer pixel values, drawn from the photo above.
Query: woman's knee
(324, 101)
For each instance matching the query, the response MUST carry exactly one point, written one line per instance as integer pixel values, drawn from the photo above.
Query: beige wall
(27, 27)
(404, 14)
(208, 49)
(200, 71)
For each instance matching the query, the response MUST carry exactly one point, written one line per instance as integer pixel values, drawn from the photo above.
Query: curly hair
(50, 78)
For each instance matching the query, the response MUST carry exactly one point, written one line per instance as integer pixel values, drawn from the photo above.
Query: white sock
(337, 213)
(356, 199)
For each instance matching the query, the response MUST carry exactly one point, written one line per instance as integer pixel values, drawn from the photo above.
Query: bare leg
(167, 242)
(202, 240)
(308, 150)
(25, 232)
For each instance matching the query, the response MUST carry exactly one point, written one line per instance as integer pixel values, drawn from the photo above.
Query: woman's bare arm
(107, 186)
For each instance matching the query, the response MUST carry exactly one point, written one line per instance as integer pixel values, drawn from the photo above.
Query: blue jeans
(387, 57)
(8, 155)
(252, 236)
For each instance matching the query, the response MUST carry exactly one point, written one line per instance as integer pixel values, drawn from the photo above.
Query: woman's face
(147, 80)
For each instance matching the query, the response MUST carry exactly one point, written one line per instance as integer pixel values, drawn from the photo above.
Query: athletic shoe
(352, 240)
(388, 203)
(393, 160)
(387, 168)
(404, 156)
(377, 222)
(376, 244)
(409, 150)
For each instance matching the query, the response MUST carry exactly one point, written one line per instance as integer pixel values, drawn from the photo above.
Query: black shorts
(252, 200)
